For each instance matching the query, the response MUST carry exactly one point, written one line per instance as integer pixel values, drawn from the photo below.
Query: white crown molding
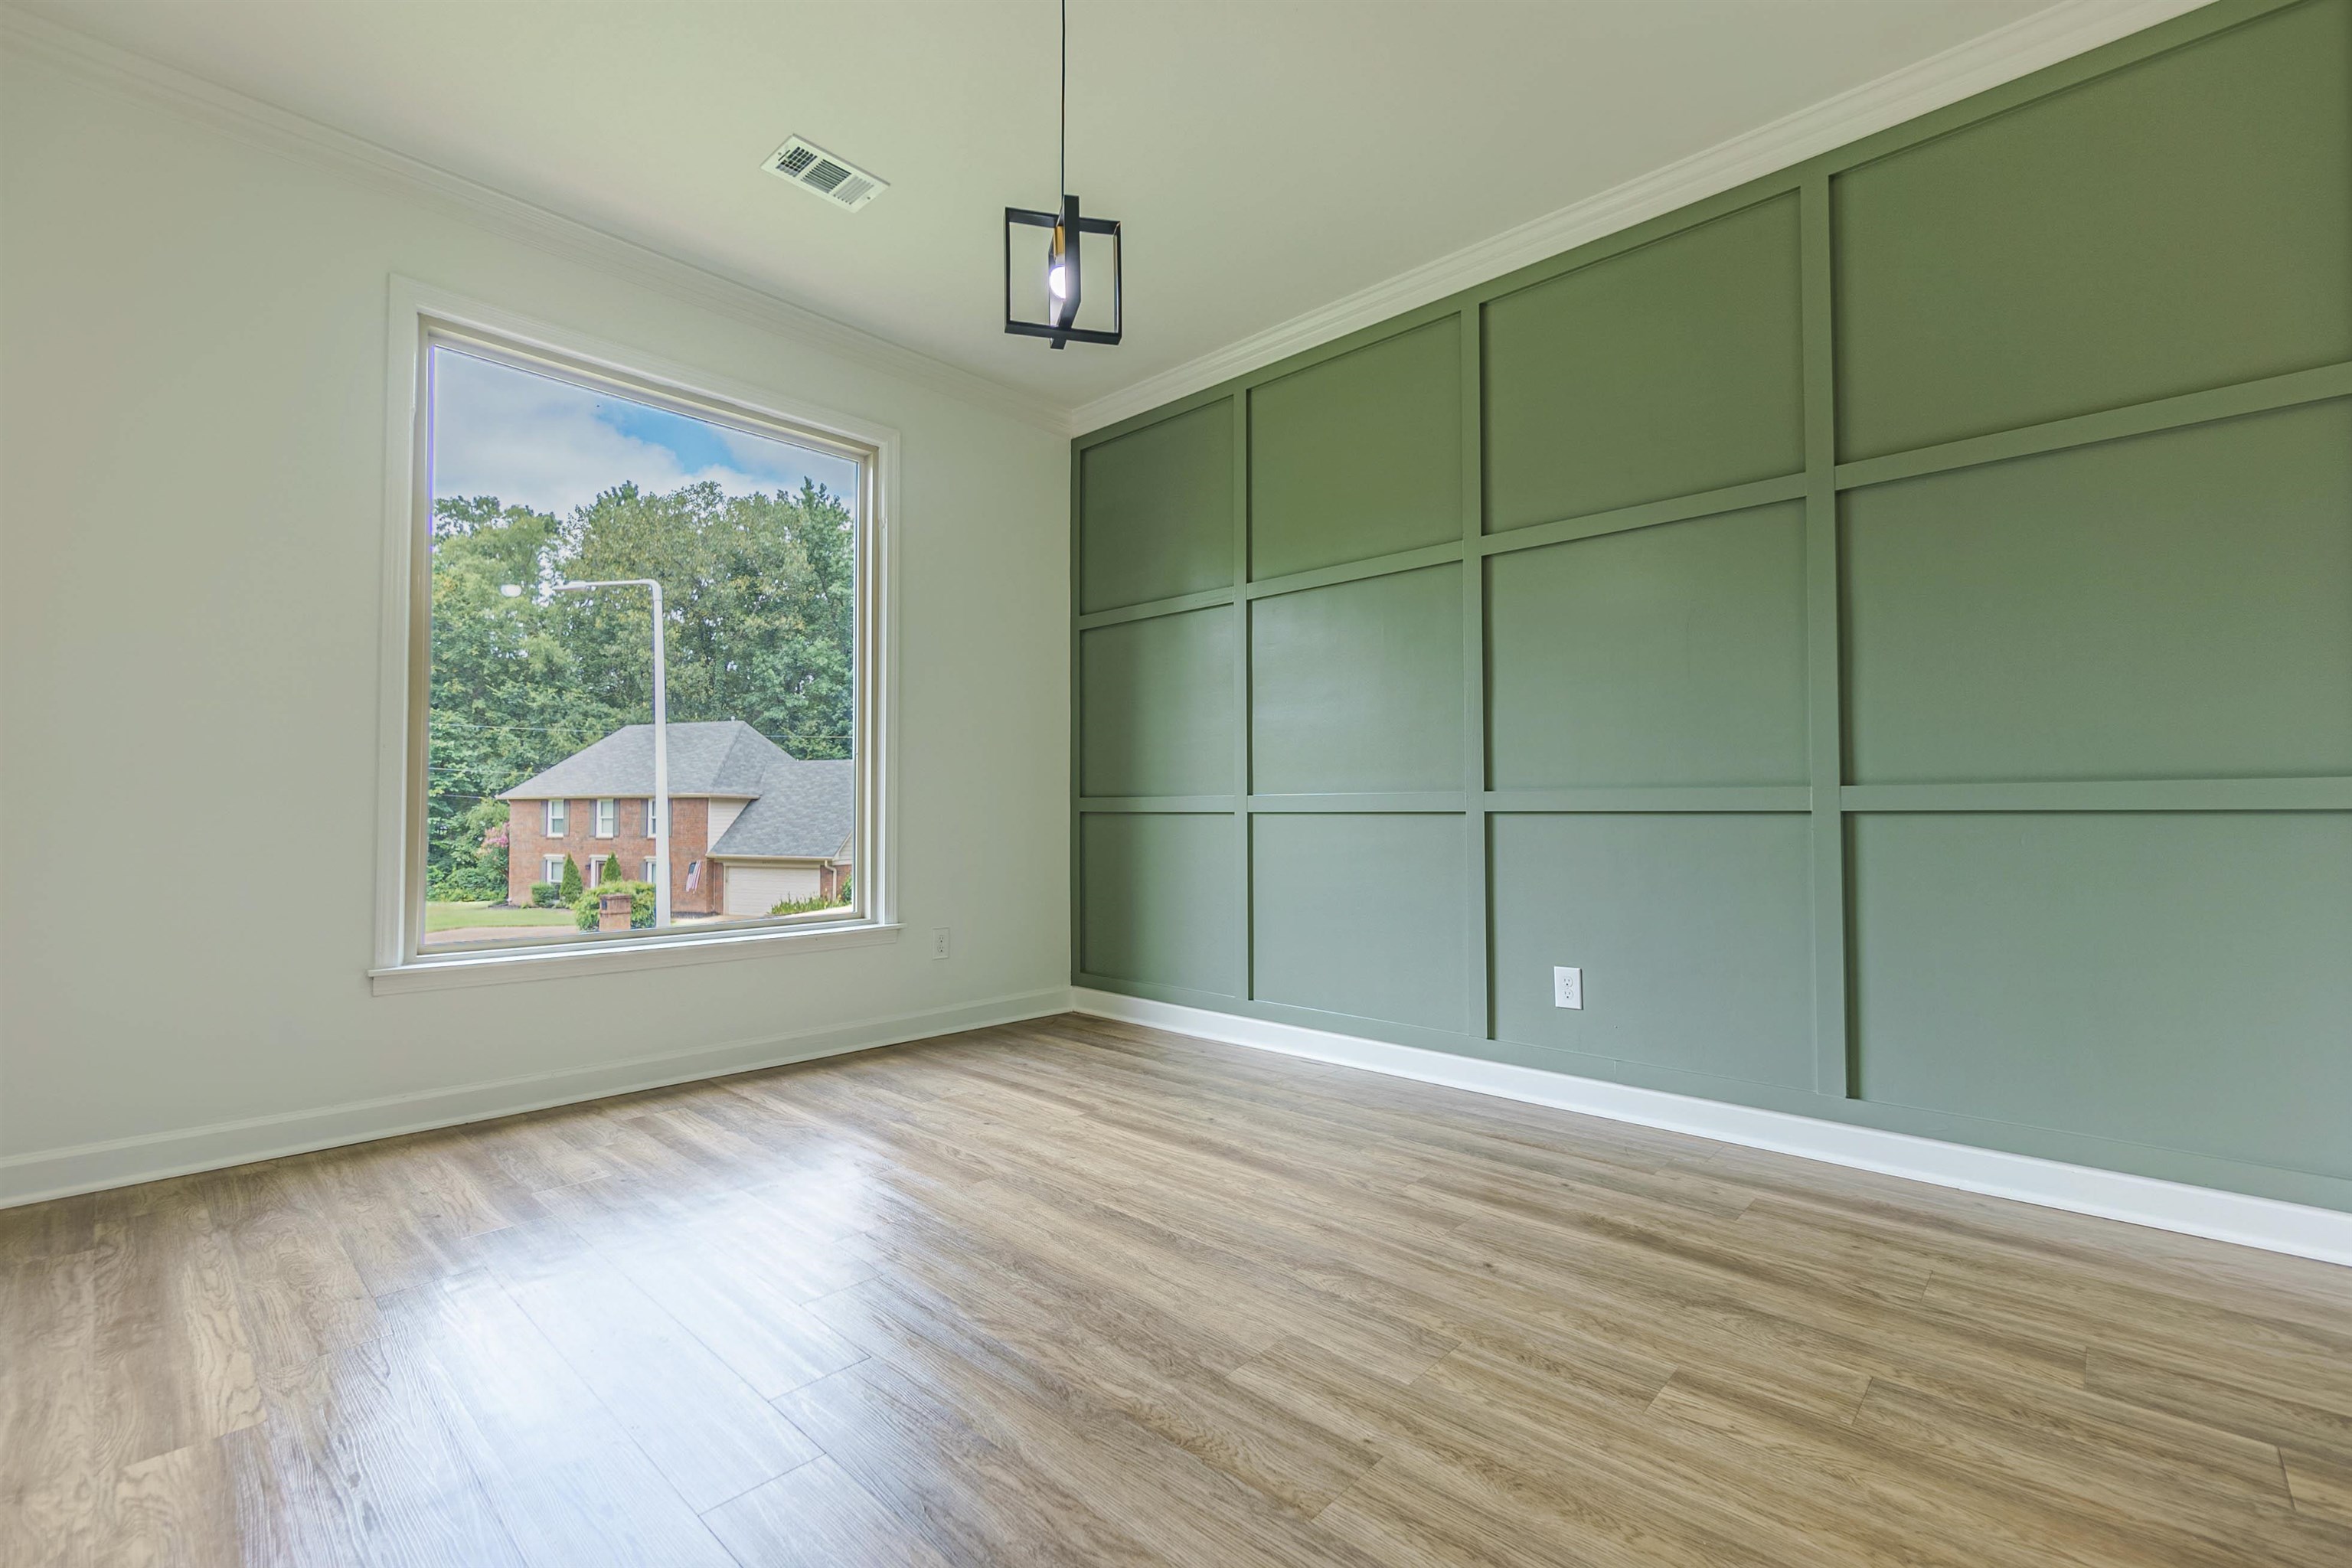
(2061, 32)
(2270, 1223)
(2064, 30)
(264, 125)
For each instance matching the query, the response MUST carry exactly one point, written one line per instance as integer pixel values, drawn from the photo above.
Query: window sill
(460, 970)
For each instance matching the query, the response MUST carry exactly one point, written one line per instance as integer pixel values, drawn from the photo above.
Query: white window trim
(551, 868)
(596, 864)
(608, 819)
(557, 817)
(420, 312)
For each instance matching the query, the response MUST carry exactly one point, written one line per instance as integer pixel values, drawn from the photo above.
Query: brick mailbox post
(613, 912)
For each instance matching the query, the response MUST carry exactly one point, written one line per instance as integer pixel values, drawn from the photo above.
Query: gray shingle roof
(722, 757)
(799, 810)
(805, 810)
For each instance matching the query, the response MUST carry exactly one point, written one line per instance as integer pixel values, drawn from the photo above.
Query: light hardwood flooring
(1075, 1293)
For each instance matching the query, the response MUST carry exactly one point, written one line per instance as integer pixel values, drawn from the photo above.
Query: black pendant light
(1061, 256)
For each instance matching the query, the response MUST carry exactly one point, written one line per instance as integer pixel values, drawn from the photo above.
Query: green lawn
(453, 917)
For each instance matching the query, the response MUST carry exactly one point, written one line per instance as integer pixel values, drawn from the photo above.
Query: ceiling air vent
(819, 173)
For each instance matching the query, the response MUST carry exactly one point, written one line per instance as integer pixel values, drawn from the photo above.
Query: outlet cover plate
(1568, 988)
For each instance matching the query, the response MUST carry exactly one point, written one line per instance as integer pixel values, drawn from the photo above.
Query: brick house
(751, 825)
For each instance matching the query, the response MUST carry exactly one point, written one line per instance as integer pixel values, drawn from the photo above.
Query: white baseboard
(2266, 1223)
(124, 1161)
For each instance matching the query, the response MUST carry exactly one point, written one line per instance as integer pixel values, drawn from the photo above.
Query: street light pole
(661, 741)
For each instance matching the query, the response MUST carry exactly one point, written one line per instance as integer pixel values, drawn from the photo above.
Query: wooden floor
(1071, 1292)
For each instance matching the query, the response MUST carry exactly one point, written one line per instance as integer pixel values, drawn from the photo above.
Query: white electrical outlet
(1567, 988)
(939, 941)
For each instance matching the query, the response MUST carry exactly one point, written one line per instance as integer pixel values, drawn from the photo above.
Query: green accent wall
(1889, 625)
(1357, 687)
(1674, 367)
(1359, 455)
(1667, 655)
(1158, 709)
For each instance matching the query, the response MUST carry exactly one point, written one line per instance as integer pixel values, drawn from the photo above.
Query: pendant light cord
(1062, 189)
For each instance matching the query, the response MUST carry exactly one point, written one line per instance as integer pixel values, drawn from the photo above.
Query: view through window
(557, 509)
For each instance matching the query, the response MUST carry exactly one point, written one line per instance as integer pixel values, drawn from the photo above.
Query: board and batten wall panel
(1679, 920)
(1674, 367)
(1360, 914)
(1889, 625)
(1155, 706)
(1155, 511)
(2001, 956)
(1357, 687)
(2173, 606)
(1155, 892)
(1668, 655)
(2171, 225)
(1359, 456)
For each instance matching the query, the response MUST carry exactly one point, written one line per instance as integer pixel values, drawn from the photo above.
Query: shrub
(641, 903)
(545, 895)
(464, 884)
(491, 859)
(571, 887)
(814, 902)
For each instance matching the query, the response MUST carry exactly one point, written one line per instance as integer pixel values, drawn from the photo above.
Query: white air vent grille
(820, 174)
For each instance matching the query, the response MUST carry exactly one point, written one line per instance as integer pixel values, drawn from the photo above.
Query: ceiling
(1265, 158)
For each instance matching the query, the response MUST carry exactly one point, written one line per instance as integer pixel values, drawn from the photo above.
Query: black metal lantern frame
(1060, 328)
(1069, 228)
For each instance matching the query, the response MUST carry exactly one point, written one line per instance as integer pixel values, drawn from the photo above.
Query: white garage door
(756, 889)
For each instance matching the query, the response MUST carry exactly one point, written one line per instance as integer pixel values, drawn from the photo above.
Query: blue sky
(535, 441)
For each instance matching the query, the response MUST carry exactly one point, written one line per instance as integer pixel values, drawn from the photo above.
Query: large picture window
(635, 597)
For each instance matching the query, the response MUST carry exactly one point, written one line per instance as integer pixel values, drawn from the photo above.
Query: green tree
(573, 885)
(761, 599)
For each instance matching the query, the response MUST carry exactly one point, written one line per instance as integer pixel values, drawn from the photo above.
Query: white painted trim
(416, 309)
(124, 1162)
(2064, 30)
(615, 253)
(2267, 1222)
(469, 967)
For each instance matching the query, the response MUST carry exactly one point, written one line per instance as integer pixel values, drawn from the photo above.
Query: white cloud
(533, 441)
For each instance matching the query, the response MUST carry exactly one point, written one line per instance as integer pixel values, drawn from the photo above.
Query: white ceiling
(1266, 158)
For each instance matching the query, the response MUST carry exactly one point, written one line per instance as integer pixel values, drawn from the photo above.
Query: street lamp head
(606, 582)
(510, 590)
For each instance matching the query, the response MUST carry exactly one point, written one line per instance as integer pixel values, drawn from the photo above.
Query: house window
(555, 503)
(551, 868)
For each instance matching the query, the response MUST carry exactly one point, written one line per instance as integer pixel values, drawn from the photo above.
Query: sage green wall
(1889, 625)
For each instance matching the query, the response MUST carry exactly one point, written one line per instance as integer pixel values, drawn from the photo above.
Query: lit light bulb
(1057, 264)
